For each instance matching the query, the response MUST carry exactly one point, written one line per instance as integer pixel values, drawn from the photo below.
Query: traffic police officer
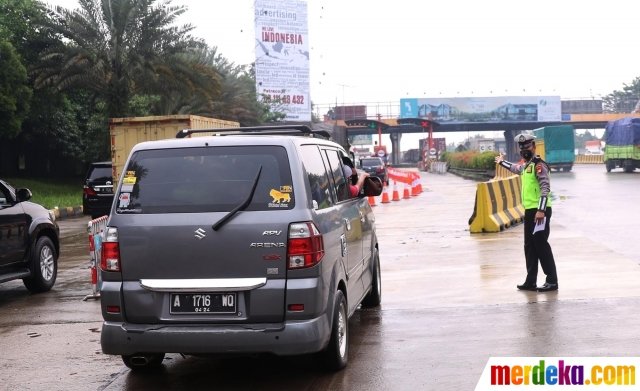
(536, 199)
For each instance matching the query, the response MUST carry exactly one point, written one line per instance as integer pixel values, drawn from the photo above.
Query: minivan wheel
(43, 265)
(143, 361)
(374, 297)
(336, 354)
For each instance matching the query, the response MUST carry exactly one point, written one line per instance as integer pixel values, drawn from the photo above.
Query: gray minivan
(246, 241)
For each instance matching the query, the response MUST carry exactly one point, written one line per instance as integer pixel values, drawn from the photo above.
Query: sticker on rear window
(124, 199)
(129, 180)
(128, 188)
(280, 198)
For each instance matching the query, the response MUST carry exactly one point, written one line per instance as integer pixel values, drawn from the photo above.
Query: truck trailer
(558, 146)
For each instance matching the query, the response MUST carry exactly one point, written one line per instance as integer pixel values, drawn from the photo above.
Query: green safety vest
(531, 188)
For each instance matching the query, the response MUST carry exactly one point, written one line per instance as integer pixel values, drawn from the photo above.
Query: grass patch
(51, 192)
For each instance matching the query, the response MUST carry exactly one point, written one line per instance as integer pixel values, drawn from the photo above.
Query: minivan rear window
(206, 179)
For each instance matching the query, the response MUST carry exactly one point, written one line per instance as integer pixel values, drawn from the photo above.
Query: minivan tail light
(305, 247)
(110, 255)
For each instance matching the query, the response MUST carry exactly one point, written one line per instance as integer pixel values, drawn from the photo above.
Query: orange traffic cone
(405, 193)
(396, 195)
(372, 201)
(385, 197)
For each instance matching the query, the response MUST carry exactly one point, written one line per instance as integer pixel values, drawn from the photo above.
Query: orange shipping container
(127, 132)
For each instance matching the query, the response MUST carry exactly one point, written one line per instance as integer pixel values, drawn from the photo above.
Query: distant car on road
(97, 193)
(375, 166)
(29, 240)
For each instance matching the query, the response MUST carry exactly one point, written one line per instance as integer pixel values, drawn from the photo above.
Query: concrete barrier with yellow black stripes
(502, 172)
(589, 159)
(498, 205)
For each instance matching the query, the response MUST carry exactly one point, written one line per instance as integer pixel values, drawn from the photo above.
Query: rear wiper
(240, 207)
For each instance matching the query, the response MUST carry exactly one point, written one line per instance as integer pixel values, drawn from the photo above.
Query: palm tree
(238, 100)
(117, 49)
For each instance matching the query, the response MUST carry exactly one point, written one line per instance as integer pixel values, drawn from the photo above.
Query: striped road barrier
(95, 229)
(498, 205)
(589, 159)
(438, 167)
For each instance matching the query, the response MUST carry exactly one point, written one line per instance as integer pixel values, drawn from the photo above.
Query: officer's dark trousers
(536, 247)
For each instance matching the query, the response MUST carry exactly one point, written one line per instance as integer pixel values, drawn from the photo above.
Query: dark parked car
(29, 244)
(97, 195)
(375, 167)
(245, 243)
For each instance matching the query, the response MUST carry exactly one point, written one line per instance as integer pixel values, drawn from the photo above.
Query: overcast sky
(381, 51)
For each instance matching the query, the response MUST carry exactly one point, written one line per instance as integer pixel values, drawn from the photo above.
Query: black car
(97, 194)
(29, 240)
(374, 166)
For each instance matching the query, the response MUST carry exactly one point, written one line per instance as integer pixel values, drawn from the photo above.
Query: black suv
(97, 194)
(375, 167)
(29, 244)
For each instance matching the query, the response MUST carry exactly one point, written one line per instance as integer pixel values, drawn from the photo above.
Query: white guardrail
(95, 229)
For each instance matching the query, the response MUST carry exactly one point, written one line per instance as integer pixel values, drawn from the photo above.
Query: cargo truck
(622, 148)
(556, 146)
(127, 132)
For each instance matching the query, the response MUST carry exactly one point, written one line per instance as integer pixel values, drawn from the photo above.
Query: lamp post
(379, 129)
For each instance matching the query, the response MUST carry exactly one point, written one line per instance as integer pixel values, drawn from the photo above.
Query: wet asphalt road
(449, 302)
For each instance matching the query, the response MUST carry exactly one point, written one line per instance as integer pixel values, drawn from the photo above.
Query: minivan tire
(143, 362)
(374, 297)
(336, 354)
(43, 266)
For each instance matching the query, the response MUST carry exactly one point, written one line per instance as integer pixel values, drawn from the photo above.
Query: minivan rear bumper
(288, 338)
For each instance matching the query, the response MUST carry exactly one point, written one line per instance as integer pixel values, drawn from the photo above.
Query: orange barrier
(401, 176)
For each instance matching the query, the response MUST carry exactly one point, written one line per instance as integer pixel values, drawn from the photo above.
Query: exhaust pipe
(140, 361)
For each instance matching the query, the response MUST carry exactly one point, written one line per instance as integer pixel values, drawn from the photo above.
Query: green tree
(18, 24)
(15, 94)
(623, 101)
(53, 125)
(119, 49)
(239, 101)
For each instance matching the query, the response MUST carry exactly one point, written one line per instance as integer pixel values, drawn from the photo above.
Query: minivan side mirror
(372, 186)
(23, 195)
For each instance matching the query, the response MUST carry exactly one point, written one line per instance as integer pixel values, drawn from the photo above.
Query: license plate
(203, 303)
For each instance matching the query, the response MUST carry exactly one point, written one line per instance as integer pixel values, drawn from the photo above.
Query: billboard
(491, 109)
(361, 139)
(350, 112)
(282, 57)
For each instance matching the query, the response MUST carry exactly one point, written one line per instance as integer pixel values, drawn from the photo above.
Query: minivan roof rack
(299, 130)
